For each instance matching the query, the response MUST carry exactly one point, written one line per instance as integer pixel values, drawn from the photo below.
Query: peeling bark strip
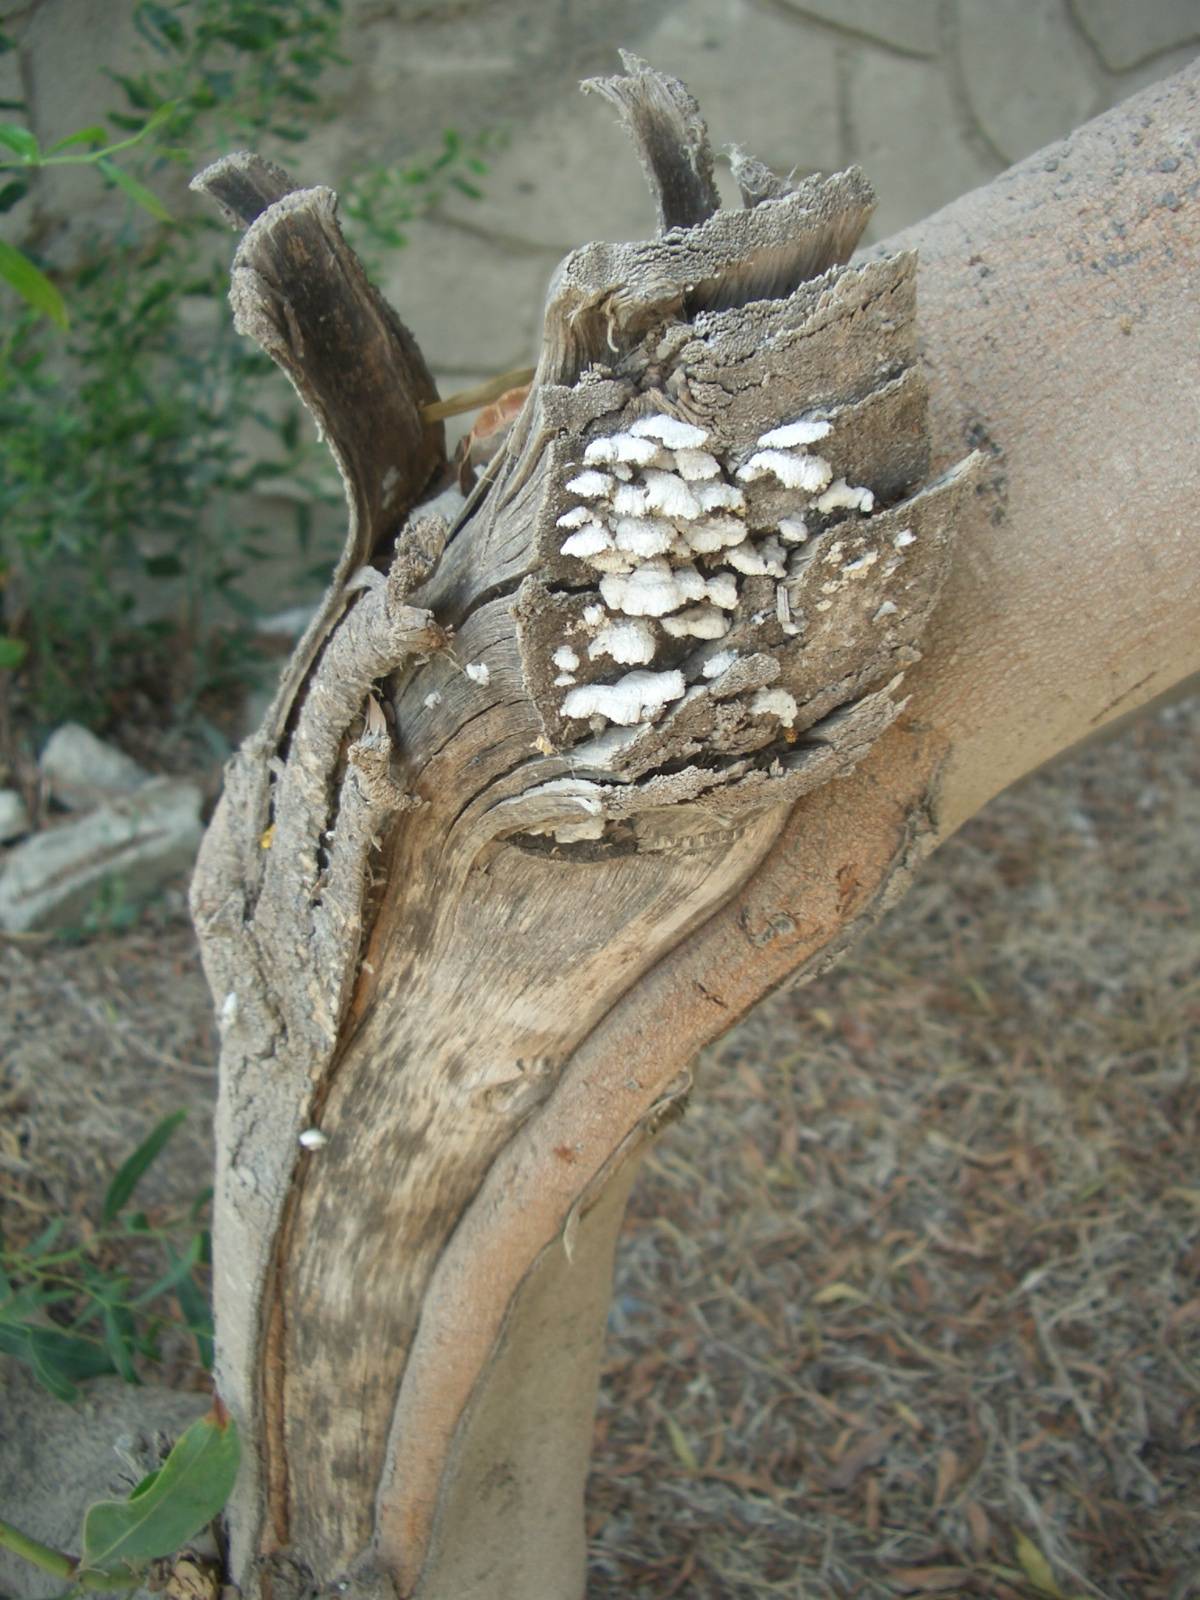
(545, 802)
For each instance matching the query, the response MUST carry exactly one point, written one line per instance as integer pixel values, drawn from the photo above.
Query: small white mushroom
(669, 494)
(810, 473)
(720, 496)
(591, 485)
(713, 533)
(722, 591)
(643, 536)
(697, 622)
(621, 447)
(314, 1139)
(431, 700)
(802, 431)
(565, 659)
(774, 703)
(721, 662)
(593, 615)
(631, 642)
(696, 464)
(676, 435)
(633, 698)
(842, 494)
(629, 500)
(478, 672)
(564, 680)
(618, 561)
(587, 542)
(575, 518)
(793, 530)
(746, 558)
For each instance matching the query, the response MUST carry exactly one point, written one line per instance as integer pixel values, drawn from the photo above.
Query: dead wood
(478, 891)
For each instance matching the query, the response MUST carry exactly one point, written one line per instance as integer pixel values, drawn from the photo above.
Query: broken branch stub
(683, 595)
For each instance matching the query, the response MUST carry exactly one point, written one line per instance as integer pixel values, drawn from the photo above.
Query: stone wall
(933, 97)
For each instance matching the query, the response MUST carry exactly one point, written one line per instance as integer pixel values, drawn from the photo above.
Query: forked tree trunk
(475, 896)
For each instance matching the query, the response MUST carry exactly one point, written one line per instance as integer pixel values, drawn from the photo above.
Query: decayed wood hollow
(531, 742)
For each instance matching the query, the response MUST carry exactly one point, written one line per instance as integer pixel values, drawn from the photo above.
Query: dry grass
(908, 1303)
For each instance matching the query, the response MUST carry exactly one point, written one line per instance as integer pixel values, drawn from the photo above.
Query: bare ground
(909, 1303)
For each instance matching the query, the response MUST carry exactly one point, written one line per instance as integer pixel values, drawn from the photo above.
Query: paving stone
(83, 771)
(52, 879)
(1126, 34)
(1026, 72)
(908, 25)
(474, 304)
(14, 817)
(907, 140)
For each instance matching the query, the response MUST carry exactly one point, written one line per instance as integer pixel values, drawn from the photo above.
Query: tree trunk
(476, 893)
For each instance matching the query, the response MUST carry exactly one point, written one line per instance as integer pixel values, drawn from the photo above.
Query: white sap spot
(671, 431)
(576, 832)
(865, 561)
(802, 431)
(905, 537)
(633, 698)
(314, 1139)
(432, 700)
(229, 1009)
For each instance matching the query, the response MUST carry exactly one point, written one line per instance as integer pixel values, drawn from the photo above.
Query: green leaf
(56, 1357)
(1036, 1568)
(188, 1491)
(12, 192)
(197, 1314)
(120, 1337)
(32, 284)
(12, 652)
(19, 140)
(136, 191)
(132, 1170)
(93, 135)
(180, 1267)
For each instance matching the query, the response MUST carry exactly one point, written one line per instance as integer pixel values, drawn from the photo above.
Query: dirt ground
(909, 1302)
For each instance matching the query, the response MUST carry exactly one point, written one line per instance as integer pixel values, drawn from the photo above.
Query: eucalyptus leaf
(187, 1492)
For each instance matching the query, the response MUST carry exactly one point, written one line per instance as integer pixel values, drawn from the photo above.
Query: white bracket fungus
(637, 697)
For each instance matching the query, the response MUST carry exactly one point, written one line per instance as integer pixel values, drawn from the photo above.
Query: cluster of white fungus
(652, 502)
